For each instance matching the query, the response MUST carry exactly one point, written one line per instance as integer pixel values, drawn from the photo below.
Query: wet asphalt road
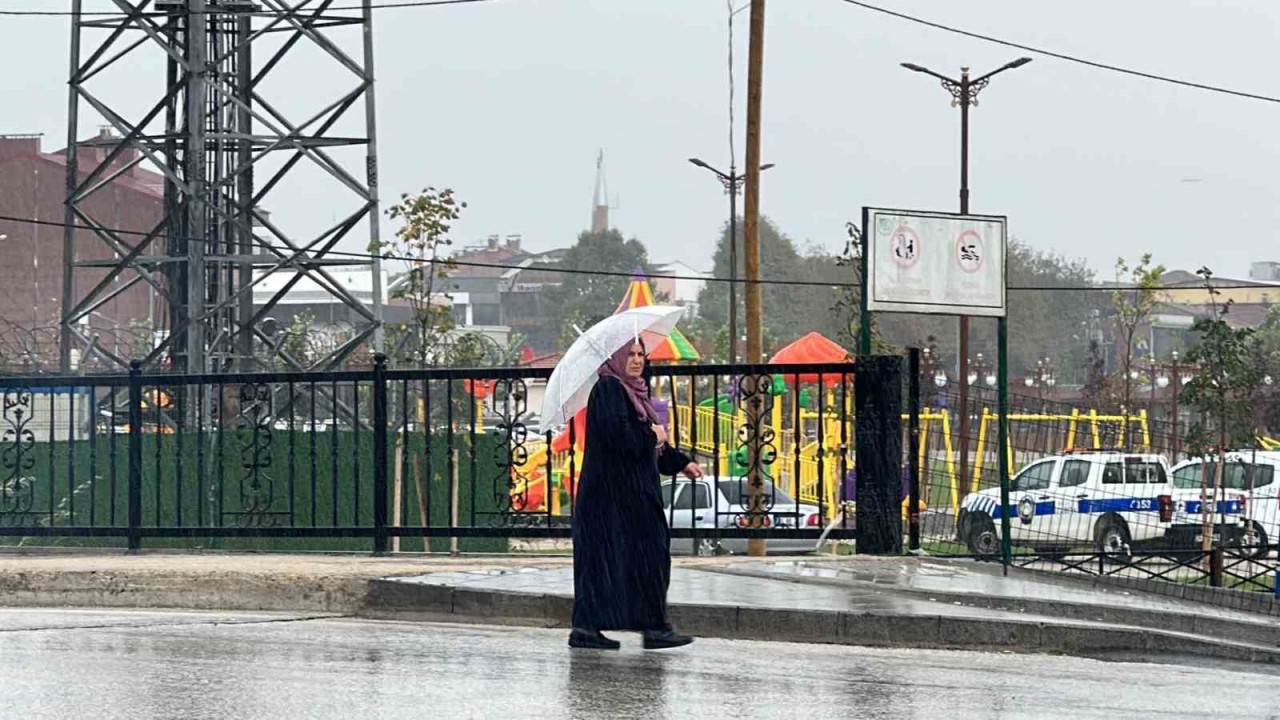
(92, 664)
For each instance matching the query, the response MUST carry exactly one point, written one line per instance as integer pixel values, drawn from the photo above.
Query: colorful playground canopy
(676, 348)
(812, 349)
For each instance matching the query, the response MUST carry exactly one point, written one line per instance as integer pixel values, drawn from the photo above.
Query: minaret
(600, 200)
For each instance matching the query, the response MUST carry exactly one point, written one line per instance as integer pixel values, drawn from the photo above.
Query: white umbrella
(576, 373)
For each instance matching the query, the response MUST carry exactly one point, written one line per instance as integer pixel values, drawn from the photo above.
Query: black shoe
(592, 640)
(663, 639)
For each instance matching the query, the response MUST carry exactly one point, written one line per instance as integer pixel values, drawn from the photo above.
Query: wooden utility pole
(751, 265)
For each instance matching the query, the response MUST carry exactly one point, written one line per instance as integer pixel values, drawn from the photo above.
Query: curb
(1259, 633)
(204, 591)
(1258, 603)
(392, 600)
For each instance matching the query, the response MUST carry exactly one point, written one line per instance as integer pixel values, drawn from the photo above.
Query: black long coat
(621, 543)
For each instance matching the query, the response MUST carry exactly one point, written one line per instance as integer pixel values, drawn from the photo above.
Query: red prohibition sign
(905, 246)
(971, 253)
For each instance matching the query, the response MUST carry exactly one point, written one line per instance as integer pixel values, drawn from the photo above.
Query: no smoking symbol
(905, 244)
(970, 251)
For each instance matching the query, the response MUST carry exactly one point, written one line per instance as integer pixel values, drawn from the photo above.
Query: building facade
(32, 193)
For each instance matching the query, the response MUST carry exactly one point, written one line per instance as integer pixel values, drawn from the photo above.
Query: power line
(857, 3)
(258, 13)
(1061, 56)
(288, 250)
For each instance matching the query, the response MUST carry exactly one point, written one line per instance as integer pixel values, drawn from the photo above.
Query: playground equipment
(809, 419)
(813, 449)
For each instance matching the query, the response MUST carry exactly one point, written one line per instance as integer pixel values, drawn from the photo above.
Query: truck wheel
(1112, 539)
(707, 547)
(1257, 547)
(983, 540)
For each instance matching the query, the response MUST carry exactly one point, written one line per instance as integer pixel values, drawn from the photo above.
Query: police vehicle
(1248, 514)
(1107, 500)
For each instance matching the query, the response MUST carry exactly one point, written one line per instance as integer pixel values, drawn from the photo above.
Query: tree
(848, 303)
(584, 299)
(1132, 307)
(789, 310)
(1267, 404)
(421, 239)
(1222, 390)
(1096, 390)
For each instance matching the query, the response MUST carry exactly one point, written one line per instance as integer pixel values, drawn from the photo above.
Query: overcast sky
(509, 101)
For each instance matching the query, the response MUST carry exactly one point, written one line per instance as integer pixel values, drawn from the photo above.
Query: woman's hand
(693, 471)
(661, 432)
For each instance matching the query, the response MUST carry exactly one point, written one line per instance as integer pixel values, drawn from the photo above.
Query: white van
(1106, 500)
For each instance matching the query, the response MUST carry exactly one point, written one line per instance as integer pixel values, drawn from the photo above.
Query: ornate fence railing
(394, 459)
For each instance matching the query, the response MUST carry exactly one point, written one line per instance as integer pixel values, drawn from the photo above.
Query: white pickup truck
(1109, 501)
(1248, 514)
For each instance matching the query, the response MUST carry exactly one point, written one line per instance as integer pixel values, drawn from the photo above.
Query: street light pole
(964, 92)
(732, 182)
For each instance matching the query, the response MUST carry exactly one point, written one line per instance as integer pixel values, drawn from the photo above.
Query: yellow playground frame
(809, 468)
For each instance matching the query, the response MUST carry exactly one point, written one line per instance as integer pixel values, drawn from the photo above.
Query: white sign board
(937, 263)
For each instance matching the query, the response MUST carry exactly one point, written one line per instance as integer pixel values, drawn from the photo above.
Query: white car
(1249, 511)
(1110, 501)
(721, 502)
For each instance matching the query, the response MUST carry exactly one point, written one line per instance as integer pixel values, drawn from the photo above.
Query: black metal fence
(399, 459)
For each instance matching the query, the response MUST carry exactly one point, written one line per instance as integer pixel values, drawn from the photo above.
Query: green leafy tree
(1096, 390)
(1133, 305)
(1267, 404)
(422, 240)
(848, 302)
(585, 299)
(296, 343)
(789, 310)
(1222, 390)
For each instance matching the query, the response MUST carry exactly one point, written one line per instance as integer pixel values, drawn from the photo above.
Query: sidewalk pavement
(861, 600)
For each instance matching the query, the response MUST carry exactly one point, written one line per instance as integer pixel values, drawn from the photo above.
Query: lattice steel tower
(227, 140)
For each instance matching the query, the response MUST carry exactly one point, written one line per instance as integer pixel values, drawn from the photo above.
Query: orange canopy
(812, 349)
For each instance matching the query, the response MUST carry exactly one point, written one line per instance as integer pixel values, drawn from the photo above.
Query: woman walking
(621, 544)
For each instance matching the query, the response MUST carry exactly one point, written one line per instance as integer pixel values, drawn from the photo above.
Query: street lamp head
(1029, 381)
(699, 163)
(913, 67)
(940, 379)
(1017, 63)
(765, 166)
(991, 380)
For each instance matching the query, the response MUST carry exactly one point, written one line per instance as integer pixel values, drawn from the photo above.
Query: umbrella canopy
(676, 347)
(576, 374)
(812, 349)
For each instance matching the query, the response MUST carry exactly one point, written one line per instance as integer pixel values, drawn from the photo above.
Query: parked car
(1110, 501)
(1249, 510)
(721, 502)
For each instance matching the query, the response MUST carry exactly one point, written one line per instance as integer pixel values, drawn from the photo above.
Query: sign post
(941, 264)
